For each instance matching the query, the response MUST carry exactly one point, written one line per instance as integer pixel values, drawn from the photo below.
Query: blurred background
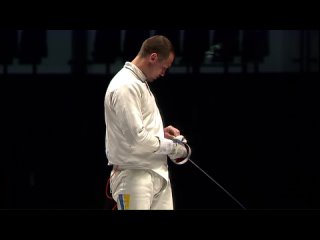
(246, 100)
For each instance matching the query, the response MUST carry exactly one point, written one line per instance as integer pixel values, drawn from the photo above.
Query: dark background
(255, 133)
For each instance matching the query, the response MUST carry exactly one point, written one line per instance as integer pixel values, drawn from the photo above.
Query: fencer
(137, 143)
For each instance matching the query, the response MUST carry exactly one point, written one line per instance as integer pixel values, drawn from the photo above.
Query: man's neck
(140, 63)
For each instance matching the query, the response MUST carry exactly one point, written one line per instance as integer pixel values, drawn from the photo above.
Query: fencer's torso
(132, 122)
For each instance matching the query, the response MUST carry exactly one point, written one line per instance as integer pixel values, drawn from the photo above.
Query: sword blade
(230, 195)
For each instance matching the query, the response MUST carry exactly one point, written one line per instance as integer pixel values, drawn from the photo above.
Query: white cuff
(166, 146)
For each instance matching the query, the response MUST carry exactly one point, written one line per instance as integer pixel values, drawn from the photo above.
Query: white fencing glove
(177, 149)
(182, 142)
(180, 138)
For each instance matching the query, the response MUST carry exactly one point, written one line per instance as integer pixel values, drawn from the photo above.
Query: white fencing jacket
(133, 122)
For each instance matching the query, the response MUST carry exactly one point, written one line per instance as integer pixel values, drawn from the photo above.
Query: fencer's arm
(177, 149)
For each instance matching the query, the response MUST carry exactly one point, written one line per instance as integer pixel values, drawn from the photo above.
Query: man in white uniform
(137, 144)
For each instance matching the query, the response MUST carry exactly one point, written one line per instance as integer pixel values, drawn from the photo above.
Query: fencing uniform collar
(136, 71)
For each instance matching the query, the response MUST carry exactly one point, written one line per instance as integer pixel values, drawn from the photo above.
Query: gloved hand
(177, 149)
(182, 152)
(180, 138)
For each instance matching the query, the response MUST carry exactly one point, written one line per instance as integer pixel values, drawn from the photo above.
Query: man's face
(160, 67)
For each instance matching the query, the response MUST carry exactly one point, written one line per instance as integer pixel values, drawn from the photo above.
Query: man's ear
(153, 57)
